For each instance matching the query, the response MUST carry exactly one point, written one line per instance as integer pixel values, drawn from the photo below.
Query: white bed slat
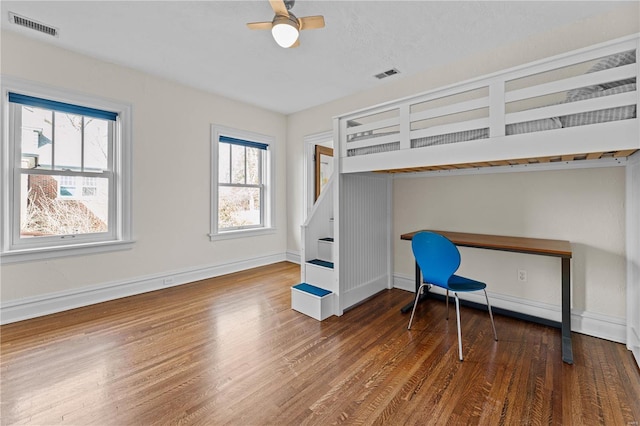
(405, 126)
(592, 79)
(497, 109)
(378, 140)
(450, 109)
(595, 104)
(342, 124)
(447, 91)
(381, 124)
(444, 129)
(568, 59)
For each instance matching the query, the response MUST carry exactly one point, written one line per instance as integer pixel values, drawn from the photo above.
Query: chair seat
(462, 284)
(458, 283)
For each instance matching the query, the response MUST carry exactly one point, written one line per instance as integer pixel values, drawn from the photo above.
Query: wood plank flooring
(230, 351)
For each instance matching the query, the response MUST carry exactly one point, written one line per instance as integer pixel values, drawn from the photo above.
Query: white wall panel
(364, 237)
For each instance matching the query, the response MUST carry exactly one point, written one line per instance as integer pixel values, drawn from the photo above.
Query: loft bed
(578, 106)
(575, 106)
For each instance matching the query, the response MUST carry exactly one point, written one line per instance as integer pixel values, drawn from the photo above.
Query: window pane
(253, 165)
(63, 205)
(224, 153)
(68, 141)
(36, 137)
(237, 164)
(238, 207)
(96, 144)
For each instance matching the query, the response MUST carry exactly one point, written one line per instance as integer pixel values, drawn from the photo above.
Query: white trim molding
(293, 256)
(32, 307)
(310, 141)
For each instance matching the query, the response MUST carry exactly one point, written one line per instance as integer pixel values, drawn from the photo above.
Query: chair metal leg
(415, 303)
(447, 302)
(458, 322)
(491, 316)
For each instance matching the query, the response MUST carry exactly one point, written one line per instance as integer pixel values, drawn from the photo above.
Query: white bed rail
(489, 116)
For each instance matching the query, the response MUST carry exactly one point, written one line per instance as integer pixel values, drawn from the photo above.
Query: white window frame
(268, 181)
(120, 215)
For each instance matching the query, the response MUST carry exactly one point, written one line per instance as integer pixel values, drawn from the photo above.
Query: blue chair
(438, 259)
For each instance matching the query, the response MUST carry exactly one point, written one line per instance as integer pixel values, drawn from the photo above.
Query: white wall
(598, 274)
(171, 175)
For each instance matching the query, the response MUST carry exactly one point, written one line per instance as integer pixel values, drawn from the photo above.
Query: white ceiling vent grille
(34, 25)
(387, 73)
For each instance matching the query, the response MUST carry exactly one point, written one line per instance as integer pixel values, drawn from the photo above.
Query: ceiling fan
(285, 27)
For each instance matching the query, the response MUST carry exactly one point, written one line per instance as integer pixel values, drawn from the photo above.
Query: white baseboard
(293, 257)
(349, 298)
(589, 323)
(599, 325)
(22, 309)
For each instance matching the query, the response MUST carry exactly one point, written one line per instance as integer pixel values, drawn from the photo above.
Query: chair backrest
(437, 257)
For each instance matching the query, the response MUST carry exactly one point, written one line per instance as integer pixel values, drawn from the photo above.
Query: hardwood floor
(230, 351)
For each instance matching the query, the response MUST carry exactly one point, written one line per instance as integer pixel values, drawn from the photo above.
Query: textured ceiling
(206, 45)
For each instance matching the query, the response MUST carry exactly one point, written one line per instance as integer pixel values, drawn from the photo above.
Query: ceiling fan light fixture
(285, 30)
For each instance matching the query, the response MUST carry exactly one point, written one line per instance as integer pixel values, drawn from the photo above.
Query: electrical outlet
(522, 275)
(167, 281)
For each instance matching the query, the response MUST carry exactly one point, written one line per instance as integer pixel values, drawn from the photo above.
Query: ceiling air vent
(34, 25)
(387, 73)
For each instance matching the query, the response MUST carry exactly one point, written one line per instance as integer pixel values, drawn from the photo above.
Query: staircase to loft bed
(317, 294)
(328, 242)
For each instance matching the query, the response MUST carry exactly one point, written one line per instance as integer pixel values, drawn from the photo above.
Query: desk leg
(567, 350)
(409, 306)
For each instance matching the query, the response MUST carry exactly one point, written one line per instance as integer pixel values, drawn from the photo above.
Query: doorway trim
(320, 150)
(310, 141)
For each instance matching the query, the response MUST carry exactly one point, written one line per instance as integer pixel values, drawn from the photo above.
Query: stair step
(312, 289)
(325, 249)
(320, 262)
(313, 301)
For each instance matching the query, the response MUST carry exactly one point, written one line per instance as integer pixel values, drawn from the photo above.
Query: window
(67, 163)
(241, 190)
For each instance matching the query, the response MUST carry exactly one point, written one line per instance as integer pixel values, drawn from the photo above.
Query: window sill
(228, 235)
(27, 255)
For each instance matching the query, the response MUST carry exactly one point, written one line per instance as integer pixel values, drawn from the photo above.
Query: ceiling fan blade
(279, 7)
(311, 22)
(259, 25)
(296, 44)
